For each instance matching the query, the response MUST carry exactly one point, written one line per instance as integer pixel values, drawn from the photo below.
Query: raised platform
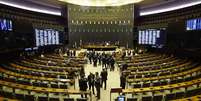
(100, 48)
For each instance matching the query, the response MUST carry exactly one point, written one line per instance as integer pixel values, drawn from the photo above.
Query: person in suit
(95, 59)
(91, 80)
(98, 85)
(112, 62)
(104, 78)
(83, 85)
(123, 81)
(74, 53)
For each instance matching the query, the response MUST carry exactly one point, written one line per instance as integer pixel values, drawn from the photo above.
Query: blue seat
(158, 98)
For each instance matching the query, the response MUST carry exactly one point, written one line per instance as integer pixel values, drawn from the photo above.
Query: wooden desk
(7, 99)
(180, 67)
(10, 73)
(95, 47)
(165, 77)
(37, 70)
(159, 88)
(193, 98)
(42, 89)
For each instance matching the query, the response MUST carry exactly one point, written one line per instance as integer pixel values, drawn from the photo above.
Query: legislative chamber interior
(100, 50)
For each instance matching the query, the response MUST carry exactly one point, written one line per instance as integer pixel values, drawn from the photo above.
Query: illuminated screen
(121, 98)
(153, 37)
(193, 24)
(46, 37)
(6, 25)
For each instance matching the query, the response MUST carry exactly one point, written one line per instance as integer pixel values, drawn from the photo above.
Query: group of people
(93, 81)
(106, 60)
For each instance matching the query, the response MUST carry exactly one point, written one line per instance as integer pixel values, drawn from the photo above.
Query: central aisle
(112, 82)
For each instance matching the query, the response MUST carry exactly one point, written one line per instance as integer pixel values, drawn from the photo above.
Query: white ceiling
(145, 6)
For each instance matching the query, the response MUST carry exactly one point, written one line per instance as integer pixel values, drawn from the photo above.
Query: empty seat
(19, 96)
(190, 93)
(137, 85)
(81, 99)
(63, 77)
(43, 85)
(169, 97)
(146, 85)
(40, 98)
(156, 83)
(29, 98)
(164, 82)
(158, 98)
(180, 95)
(147, 98)
(54, 99)
(8, 94)
(131, 99)
(68, 99)
(138, 76)
(173, 81)
(63, 86)
(54, 86)
(36, 84)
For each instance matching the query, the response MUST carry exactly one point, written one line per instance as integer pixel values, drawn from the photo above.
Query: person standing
(74, 52)
(103, 61)
(123, 81)
(95, 59)
(98, 85)
(82, 72)
(104, 78)
(112, 62)
(90, 57)
(99, 59)
(83, 85)
(91, 80)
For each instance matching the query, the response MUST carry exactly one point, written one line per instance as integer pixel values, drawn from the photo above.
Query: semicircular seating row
(159, 77)
(36, 79)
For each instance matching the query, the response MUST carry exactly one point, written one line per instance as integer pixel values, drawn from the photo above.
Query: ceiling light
(30, 8)
(101, 3)
(161, 10)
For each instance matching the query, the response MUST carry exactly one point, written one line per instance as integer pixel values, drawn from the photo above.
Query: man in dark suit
(83, 85)
(123, 81)
(104, 78)
(98, 85)
(91, 80)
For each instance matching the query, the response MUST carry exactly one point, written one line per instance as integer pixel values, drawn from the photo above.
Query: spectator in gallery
(91, 81)
(123, 81)
(83, 85)
(104, 75)
(98, 85)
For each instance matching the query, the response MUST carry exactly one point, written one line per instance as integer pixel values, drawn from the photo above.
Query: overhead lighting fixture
(30, 8)
(101, 3)
(161, 10)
